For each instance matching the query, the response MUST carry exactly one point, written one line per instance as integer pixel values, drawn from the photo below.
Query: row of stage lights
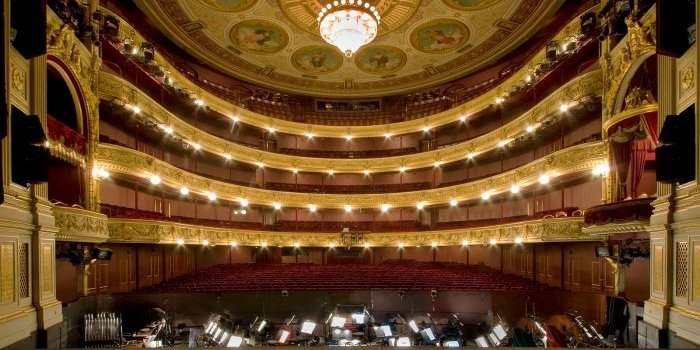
(599, 170)
(434, 245)
(169, 130)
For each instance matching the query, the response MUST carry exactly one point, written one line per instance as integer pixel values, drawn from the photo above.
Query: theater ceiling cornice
(420, 43)
(587, 85)
(227, 108)
(167, 232)
(579, 159)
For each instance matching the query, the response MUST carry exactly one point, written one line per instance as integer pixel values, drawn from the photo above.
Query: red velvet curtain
(639, 151)
(621, 164)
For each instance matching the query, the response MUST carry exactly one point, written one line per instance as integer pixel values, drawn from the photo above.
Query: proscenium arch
(78, 98)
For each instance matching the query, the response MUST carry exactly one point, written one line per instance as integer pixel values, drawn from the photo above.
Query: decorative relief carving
(577, 159)
(81, 225)
(543, 230)
(19, 74)
(579, 89)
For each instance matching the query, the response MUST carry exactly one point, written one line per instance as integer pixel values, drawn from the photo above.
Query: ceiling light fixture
(184, 191)
(454, 202)
(544, 179)
(348, 24)
(385, 207)
(348, 208)
(155, 179)
(312, 208)
(277, 205)
(514, 189)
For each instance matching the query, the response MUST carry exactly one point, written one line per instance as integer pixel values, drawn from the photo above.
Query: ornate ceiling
(421, 42)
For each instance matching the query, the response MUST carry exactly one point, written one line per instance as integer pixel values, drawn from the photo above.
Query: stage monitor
(494, 339)
(428, 335)
(481, 342)
(500, 331)
(308, 327)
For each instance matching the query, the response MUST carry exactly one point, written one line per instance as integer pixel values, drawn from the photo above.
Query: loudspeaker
(675, 155)
(30, 157)
(28, 21)
(673, 20)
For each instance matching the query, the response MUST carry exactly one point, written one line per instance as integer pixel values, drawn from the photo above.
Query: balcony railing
(65, 135)
(633, 210)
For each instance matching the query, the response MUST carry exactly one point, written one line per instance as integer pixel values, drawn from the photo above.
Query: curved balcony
(80, 225)
(577, 159)
(519, 78)
(169, 232)
(576, 92)
(629, 216)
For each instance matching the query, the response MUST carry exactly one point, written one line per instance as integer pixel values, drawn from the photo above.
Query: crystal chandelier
(348, 24)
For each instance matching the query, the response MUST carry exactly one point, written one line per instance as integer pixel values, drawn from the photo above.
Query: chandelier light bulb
(348, 25)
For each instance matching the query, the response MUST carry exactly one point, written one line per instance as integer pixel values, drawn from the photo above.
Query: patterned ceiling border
(579, 159)
(174, 20)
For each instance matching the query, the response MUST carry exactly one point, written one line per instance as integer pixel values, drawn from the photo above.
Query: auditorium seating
(392, 275)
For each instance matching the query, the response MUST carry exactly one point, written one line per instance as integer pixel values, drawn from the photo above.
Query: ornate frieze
(80, 225)
(573, 160)
(535, 231)
(579, 90)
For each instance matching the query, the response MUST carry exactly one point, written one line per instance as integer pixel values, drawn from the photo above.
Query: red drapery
(639, 151)
(632, 141)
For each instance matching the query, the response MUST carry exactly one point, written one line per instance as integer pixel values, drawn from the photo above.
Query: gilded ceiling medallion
(258, 37)
(230, 5)
(304, 13)
(469, 5)
(380, 59)
(317, 59)
(439, 36)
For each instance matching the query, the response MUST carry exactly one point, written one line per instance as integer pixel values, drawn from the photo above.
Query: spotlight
(481, 342)
(227, 156)
(338, 322)
(312, 208)
(243, 202)
(295, 171)
(426, 129)
(155, 180)
(271, 130)
(309, 135)
(348, 137)
(331, 172)
(414, 326)
(486, 195)
(196, 146)
(433, 293)
(454, 202)
(462, 118)
(544, 179)
(402, 169)
(434, 244)
(136, 109)
(348, 208)
(263, 245)
(500, 100)
(387, 136)
(180, 241)
(235, 119)
(518, 240)
(401, 245)
(234, 244)
(277, 205)
(211, 196)
(530, 128)
(366, 172)
(284, 335)
(184, 191)
(493, 241)
(420, 205)
(563, 107)
(205, 243)
(366, 246)
(296, 245)
(503, 143)
(471, 156)
(199, 102)
(437, 164)
(465, 243)
(243, 211)
(260, 164)
(601, 169)
(167, 129)
(285, 293)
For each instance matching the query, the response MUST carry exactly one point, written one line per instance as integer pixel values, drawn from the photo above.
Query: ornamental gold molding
(285, 126)
(575, 91)
(19, 81)
(573, 160)
(60, 151)
(620, 63)
(80, 225)
(167, 232)
(629, 113)
(616, 228)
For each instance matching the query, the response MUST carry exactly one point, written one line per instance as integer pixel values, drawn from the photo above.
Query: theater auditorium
(365, 173)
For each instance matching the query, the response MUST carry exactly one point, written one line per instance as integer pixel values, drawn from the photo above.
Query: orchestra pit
(349, 173)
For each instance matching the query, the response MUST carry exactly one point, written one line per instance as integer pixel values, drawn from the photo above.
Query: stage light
(420, 205)
(271, 130)
(277, 205)
(199, 102)
(500, 100)
(196, 146)
(261, 326)
(205, 243)
(348, 137)
(383, 331)
(518, 240)
(462, 118)
(155, 180)
(234, 342)
(348, 208)
(309, 135)
(434, 244)
(514, 189)
(454, 202)
(260, 165)
(428, 334)
(331, 172)
(180, 241)
(308, 327)
(211, 196)
(312, 208)
(235, 119)
(210, 327)
(366, 245)
(563, 107)
(243, 202)
(136, 109)
(401, 245)
(528, 78)
(501, 332)
(385, 207)
(295, 171)
(227, 156)
(100, 173)
(481, 342)
(465, 243)
(486, 195)
(494, 339)
(414, 326)
(544, 179)
(234, 244)
(403, 342)
(471, 156)
(426, 129)
(296, 245)
(493, 241)
(243, 212)
(358, 318)
(263, 244)
(366, 172)
(331, 246)
(503, 143)
(437, 164)
(337, 322)
(387, 136)
(402, 169)
(530, 128)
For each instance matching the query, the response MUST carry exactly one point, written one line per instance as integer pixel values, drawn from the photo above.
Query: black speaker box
(28, 19)
(30, 158)
(675, 155)
(673, 18)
